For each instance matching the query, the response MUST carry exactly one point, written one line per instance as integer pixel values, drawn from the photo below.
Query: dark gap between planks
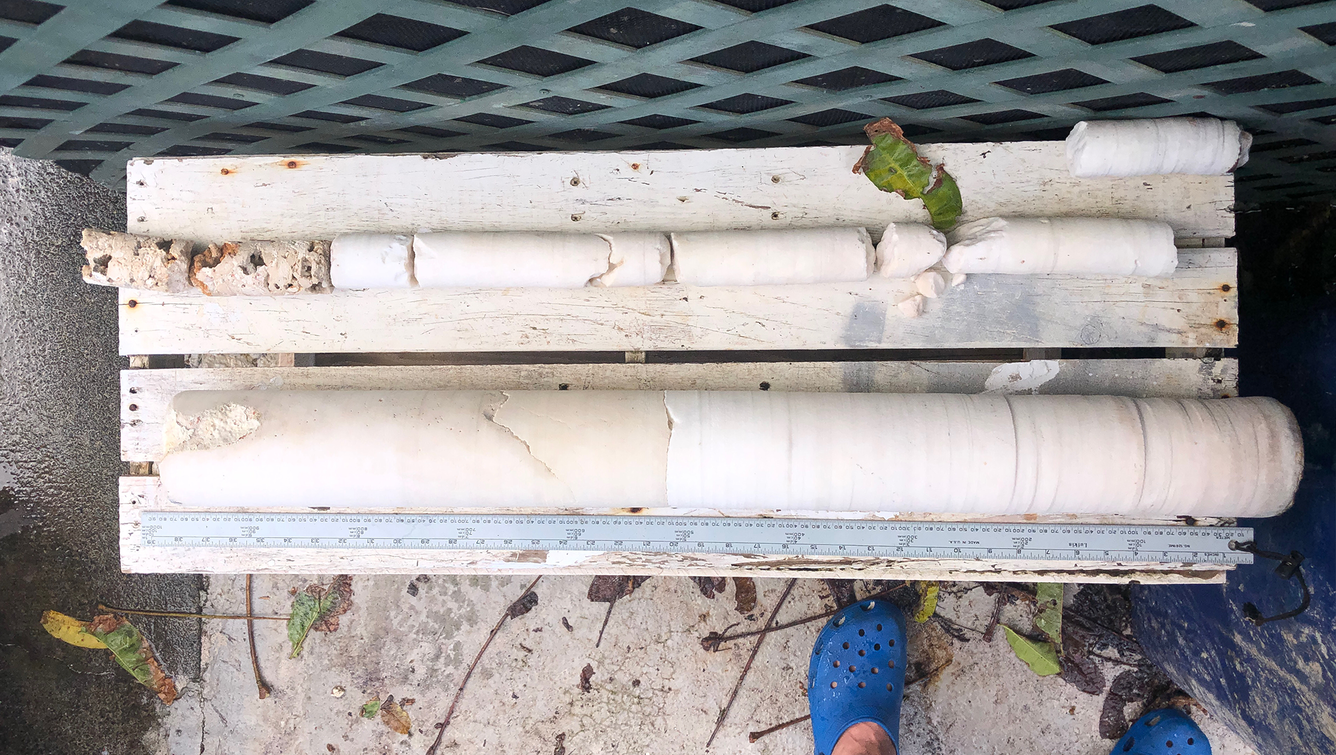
(720, 357)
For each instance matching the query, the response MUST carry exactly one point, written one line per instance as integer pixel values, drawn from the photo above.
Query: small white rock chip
(337, 692)
(958, 279)
(912, 307)
(930, 284)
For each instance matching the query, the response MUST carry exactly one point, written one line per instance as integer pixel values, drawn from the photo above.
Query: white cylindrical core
(1077, 246)
(1196, 146)
(417, 448)
(457, 259)
(763, 258)
(636, 259)
(734, 451)
(371, 260)
(907, 249)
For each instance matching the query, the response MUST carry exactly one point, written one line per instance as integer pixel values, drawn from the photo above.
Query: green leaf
(893, 164)
(306, 610)
(371, 708)
(1039, 656)
(1049, 617)
(927, 600)
(134, 654)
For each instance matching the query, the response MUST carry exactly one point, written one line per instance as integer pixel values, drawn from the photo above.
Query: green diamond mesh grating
(91, 84)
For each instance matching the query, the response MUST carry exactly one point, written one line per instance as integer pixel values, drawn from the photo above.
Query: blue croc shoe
(857, 672)
(1163, 732)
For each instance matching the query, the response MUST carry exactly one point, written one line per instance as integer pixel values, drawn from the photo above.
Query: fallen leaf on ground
(71, 630)
(341, 591)
(842, 590)
(1048, 618)
(606, 588)
(744, 594)
(710, 585)
(522, 606)
(132, 651)
(1078, 668)
(609, 589)
(929, 654)
(371, 707)
(1039, 656)
(317, 609)
(395, 717)
(927, 606)
(586, 674)
(1134, 685)
(560, 749)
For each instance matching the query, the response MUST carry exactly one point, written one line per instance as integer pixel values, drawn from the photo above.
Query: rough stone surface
(59, 460)
(653, 687)
(127, 260)
(214, 428)
(232, 360)
(262, 268)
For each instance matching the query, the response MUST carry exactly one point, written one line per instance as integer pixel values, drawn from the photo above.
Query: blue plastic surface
(1275, 685)
(1163, 732)
(857, 672)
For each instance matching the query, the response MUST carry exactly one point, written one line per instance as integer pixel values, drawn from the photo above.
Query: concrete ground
(651, 687)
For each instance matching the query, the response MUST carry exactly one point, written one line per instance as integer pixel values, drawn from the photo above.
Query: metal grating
(91, 84)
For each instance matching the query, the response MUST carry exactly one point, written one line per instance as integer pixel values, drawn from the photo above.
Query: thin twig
(1001, 600)
(752, 737)
(260, 686)
(460, 691)
(1094, 625)
(606, 616)
(713, 643)
(723, 714)
(183, 615)
(755, 735)
(944, 620)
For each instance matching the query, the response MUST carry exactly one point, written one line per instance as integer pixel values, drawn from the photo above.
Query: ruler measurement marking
(668, 534)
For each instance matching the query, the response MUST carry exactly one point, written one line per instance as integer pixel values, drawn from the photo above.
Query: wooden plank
(139, 494)
(318, 196)
(1196, 307)
(147, 394)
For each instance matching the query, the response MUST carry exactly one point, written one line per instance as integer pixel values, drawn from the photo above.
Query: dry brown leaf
(744, 594)
(341, 592)
(710, 585)
(606, 588)
(842, 590)
(586, 674)
(394, 716)
(522, 606)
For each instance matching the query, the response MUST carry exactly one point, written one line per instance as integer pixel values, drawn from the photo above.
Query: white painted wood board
(146, 394)
(139, 494)
(318, 196)
(1196, 307)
